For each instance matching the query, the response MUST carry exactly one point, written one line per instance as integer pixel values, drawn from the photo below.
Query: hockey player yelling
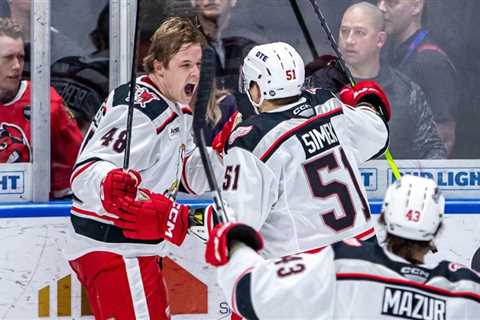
(291, 171)
(351, 279)
(120, 218)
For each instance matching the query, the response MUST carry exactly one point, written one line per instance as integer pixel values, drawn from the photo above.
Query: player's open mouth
(189, 88)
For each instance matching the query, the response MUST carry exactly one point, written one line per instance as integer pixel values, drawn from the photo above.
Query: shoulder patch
(249, 132)
(455, 272)
(146, 100)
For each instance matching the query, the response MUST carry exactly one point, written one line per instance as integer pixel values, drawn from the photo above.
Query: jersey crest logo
(142, 96)
(239, 132)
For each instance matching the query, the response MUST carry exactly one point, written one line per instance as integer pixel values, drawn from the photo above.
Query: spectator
(83, 81)
(213, 17)
(414, 134)
(16, 110)
(61, 45)
(415, 52)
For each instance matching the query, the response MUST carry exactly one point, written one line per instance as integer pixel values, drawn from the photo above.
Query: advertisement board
(36, 281)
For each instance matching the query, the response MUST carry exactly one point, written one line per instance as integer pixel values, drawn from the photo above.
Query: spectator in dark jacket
(414, 52)
(413, 132)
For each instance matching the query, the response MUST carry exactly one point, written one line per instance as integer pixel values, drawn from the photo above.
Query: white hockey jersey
(161, 140)
(348, 281)
(292, 173)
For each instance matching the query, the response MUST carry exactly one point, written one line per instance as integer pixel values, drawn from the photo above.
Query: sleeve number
(289, 265)
(336, 188)
(119, 140)
(230, 180)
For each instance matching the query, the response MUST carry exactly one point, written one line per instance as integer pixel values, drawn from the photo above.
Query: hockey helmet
(413, 208)
(277, 68)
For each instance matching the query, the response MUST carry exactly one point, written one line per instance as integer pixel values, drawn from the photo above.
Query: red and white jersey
(292, 173)
(161, 140)
(15, 136)
(348, 281)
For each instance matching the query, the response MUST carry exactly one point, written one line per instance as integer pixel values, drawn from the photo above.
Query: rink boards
(36, 281)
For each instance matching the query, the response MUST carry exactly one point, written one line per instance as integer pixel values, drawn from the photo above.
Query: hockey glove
(222, 237)
(203, 220)
(325, 72)
(117, 184)
(367, 92)
(220, 140)
(153, 217)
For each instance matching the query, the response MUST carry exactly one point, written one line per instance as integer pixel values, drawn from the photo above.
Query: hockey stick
(303, 26)
(348, 74)
(207, 75)
(131, 92)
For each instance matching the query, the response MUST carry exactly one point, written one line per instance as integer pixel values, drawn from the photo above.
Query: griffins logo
(142, 96)
(14, 146)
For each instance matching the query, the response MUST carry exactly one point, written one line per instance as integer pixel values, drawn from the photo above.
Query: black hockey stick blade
(205, 85)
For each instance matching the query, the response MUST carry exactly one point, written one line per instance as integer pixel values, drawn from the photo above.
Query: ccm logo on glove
(172, 220)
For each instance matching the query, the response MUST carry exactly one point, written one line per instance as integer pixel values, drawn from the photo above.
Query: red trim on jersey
(187, 110)
(287, 134)
(186, 185)
(366, 234)
(361, 236)
(169, 120)
(93, 214)
(81, 169)
(410, 283)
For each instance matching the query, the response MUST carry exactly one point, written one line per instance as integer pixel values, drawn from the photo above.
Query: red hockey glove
(369, 92)
(221, 138)
(153, 217)
(117, 184)
(217, 252)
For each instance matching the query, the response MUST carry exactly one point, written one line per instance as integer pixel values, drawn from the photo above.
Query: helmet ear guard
(413, 209)
(278, 70)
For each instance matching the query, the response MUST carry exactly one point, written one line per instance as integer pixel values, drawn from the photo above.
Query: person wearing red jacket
(15, 115)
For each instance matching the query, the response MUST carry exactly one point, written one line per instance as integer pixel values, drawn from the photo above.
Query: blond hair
(167, 40)
(214, 112)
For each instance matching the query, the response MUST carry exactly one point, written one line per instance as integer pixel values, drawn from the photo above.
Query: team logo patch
(239, 132)
(142, 96)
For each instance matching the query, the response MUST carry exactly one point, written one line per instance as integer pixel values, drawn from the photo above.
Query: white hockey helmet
(277, 68)
(413, 208)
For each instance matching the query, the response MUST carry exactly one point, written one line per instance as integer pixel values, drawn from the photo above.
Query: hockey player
(117, 259)
(351, 279)
(291, 171)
